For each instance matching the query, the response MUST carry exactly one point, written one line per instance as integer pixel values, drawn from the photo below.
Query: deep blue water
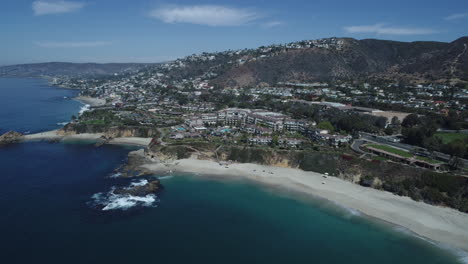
(31, 105)
(47, 214)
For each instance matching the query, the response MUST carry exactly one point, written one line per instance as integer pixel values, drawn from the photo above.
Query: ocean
(52, 196)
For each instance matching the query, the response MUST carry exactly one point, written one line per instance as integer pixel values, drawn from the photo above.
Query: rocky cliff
(10, 137)
(110, 132)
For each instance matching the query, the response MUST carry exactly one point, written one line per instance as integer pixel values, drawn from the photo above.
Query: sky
(155, 30)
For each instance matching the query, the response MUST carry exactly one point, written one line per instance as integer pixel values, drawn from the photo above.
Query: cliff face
(110, 132)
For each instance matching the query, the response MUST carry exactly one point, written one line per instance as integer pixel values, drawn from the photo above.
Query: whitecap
(115, 175)
(84, 108)
(112, 201)
(125, 202)
(62, 123)
(139, 183)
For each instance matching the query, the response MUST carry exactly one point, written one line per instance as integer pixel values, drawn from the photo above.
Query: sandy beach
(92, 101)
(439, 224)
(55, 136)
(136, 141)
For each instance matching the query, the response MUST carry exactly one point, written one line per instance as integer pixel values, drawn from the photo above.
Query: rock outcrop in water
(145, 188)
(10, 137)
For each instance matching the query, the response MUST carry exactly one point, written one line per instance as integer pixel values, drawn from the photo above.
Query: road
(385, 140)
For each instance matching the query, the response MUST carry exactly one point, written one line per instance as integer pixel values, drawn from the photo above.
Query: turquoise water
(49, 216)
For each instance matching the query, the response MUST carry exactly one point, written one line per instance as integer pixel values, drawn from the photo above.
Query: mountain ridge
(329, 59)
(417, 61)
(53, 69)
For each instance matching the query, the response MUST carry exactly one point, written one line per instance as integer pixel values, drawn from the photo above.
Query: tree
(274, 141)
(395, 121)
(244, 138)
(410, 120)
(389, 131)
(326, 125)
(432, 143)
(455, 148)
(381, 122)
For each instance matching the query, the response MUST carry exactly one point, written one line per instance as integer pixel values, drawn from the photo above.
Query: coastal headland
(59, 136)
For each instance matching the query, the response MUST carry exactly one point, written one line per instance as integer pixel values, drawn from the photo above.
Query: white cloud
(55, 7)
(383, 29)
(457, 16)
(84, 44)
(210, 15)
(272, 24)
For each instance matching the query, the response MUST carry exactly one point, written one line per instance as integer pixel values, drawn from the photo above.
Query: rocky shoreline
(11, 137)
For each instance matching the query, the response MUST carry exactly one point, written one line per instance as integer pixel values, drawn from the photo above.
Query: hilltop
(53, 69)
(330, 59)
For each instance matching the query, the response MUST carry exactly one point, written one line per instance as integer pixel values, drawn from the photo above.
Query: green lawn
(449, 137)
(379, 158)
(428, 160)
(94, 122)
(392, 150)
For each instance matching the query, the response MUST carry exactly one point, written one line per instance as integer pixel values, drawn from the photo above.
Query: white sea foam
(115, 175)
(165, 177)
(350, 211)
(139, 183)
(112, 201)
(461, 254)
(62, 123)
(125, 202)
(84, 108)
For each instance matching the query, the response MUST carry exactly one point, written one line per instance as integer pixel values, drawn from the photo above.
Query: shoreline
(439, 224)
(95, 137)
(92, 101)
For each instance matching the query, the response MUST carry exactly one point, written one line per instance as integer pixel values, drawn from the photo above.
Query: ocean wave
(165, 177)
(460, 254)
(84, 108)
(112, 201)
(350, 212)
(138, 183)
(62, 123)
(115, 175)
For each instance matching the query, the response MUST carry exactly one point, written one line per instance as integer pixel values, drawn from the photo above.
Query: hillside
(357, 59)
(329, 59)
(68, 69)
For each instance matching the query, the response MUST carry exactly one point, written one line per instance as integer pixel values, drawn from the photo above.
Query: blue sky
(155, 30)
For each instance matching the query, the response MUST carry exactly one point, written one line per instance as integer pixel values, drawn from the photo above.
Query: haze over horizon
(153, 31)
